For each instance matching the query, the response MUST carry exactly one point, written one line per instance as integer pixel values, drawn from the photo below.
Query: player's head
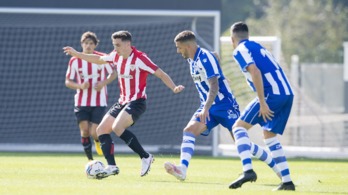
(186, 44)
(239, 31)
(122, 41)
(89, 42)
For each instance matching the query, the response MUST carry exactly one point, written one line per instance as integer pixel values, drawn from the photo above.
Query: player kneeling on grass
(133, 67)
(91, 92)
(218, 105)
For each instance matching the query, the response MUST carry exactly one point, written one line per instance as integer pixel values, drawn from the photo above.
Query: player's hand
(69, 51)
(98, 86)
(85, 85)
(178, 89)
(265, 112)
(203, 115)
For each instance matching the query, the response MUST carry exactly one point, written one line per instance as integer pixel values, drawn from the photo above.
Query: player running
(218, 105)
(133, 67)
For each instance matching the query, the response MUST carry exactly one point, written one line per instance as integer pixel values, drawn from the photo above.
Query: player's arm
(107, 81)
(73, 85)
(168, 81)
(255, 73)
(212, 93)
(93, 58)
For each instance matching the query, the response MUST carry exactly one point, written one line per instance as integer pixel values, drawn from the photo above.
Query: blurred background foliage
(313, 29)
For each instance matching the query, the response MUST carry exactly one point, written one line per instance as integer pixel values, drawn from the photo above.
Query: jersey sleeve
(109, 68)
(146, 64)
(109, 58)
(210, 65)
(71, 71)
(243, 57)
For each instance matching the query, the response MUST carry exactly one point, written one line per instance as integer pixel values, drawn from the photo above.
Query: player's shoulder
(72, 60)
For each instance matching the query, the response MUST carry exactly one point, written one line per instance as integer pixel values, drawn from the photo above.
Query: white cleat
(146, 165)
(109, 170)
(178, 172)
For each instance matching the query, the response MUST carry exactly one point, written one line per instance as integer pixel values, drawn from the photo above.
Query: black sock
(108, 148)
(133, 143)
(87, 146)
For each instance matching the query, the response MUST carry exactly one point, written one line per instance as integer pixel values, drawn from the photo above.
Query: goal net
(37, 108)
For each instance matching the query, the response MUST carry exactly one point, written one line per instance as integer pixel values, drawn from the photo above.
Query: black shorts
(93, 114)
(134, 108)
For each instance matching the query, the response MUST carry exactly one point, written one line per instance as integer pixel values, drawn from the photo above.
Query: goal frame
(119, 12)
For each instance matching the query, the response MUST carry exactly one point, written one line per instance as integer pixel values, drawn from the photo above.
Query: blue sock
(187, 148)
(243, 147)
(263, 155)
(279, 158)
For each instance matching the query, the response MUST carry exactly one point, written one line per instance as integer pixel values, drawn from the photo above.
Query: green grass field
(60, 173)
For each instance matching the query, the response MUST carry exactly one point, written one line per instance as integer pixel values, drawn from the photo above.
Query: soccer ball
(93, 168)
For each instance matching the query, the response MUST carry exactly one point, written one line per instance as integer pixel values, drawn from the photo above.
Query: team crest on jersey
(231, 114)
(132, 67)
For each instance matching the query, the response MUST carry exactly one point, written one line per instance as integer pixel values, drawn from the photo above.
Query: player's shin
(264, 156)
(107, 146)
(279, 158)
(87, 146)
(242, 142)
(131, 140)
(187, 148)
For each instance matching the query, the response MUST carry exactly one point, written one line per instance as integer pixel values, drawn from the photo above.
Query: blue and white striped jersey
(274, 79)
(203, 67)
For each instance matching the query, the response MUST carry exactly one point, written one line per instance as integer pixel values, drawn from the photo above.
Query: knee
(118, 131)
(100, 131)
(190, 130)
(84, 132)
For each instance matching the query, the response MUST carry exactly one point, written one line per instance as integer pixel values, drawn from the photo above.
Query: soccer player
(133, 67)
(218, 105)
(270, 109)
(89, 80)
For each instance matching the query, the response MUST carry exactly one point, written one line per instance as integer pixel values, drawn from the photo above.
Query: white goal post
(209, 21)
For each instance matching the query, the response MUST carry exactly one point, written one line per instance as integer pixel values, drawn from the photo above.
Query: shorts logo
(231, 114)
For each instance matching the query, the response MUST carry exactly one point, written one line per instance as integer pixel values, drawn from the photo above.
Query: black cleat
(249, 175)
(289, 186)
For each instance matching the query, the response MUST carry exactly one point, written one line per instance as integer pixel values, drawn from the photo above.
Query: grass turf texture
(60, 173)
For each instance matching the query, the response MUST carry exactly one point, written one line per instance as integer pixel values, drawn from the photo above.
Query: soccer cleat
(109, 170)
(178, 172)
(98, 148)
(249, 175)
(289, 186)
(146, 165)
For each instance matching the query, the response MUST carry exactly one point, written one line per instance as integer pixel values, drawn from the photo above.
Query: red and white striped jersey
(82, 71)
(132, 73)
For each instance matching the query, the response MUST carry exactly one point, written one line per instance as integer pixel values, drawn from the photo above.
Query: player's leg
(82, 116)
(127, 117)
(85, 139)
(277, 126)
(243, 143)
(261, 154)
(103, 131)
(191, 131)
(97, 116)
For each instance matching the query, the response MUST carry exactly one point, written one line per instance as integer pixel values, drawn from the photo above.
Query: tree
(314, 30)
